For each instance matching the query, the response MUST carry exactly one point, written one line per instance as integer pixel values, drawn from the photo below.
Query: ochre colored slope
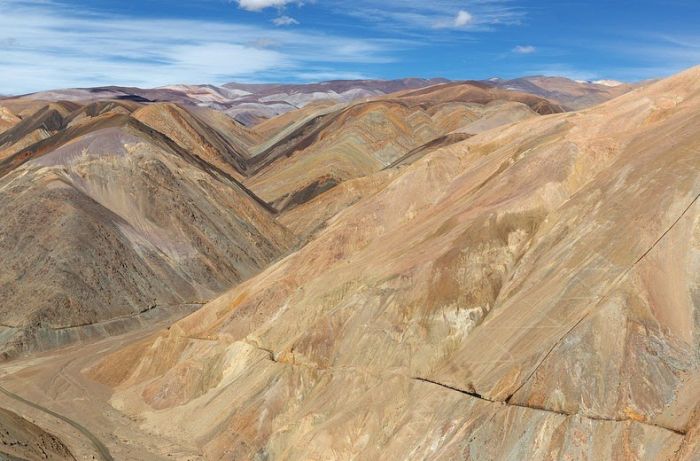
(7, 119)
(326, 147)
(194, 136)
(527, 293)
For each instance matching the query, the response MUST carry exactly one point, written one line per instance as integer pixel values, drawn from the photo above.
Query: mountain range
(406, 269)
(250, 104)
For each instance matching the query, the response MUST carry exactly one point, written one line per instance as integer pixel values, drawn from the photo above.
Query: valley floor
(51, 391)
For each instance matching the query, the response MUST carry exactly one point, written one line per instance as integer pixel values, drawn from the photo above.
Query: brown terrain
(20, 439)
(110, 220)
(457, 271)
(570, 93)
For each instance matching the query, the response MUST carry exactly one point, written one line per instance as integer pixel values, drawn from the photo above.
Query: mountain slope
(529, 292)
(570, 93)
(196, 137)
(329, 147)
(111, 219)
(20, 439)
(133, 210)
(7, 119)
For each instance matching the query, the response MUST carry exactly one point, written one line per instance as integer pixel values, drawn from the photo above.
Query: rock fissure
(621, 277)
(549, 410)
(470, 393)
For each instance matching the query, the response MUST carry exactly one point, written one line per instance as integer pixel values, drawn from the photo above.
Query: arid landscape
(284, 230)
(451, 270)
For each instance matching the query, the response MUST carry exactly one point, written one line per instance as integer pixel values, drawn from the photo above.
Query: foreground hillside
(20, 439)
(530, 292)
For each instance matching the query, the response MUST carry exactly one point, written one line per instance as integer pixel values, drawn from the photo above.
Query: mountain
(332, 146)
(262, 101)
(428, 270)
(529, 292)
(126, 212)
(110, 222)
(251, 104)
(574, 94)
(104, 250)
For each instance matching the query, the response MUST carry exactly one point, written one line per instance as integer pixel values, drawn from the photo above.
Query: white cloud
(524, 49)
(284, 21)
(463, 18)
(45, 45)
(259, 5)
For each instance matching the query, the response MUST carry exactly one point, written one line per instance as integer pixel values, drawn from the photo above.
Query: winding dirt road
(51, 390)
(99, 446)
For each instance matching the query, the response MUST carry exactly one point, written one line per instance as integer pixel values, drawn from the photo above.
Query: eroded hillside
(108, 219)
(123, 211)
(529, 292)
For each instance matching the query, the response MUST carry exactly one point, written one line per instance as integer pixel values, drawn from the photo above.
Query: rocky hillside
(20, 439)
(108, 219)
(529, 292)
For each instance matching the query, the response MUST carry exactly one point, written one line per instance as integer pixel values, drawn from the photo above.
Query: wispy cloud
(650, 55)
(323, 75)
(259, 5)
(45, 45)
(524, 49)
(284, 21)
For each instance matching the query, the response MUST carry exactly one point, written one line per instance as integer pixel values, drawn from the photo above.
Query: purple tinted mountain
(108, 219)
(574, 94)
(247, 103)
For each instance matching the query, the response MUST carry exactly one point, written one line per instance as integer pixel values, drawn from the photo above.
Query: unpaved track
(99, 446)
(62, 400)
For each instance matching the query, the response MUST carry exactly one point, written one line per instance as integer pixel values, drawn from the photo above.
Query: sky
(47, 44)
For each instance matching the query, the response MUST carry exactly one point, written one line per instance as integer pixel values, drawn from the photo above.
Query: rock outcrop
(21, 439)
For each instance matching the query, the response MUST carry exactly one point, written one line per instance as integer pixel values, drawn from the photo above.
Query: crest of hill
(569, 93)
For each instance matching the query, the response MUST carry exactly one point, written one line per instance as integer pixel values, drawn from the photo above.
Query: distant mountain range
(250, 104)
(574, 94)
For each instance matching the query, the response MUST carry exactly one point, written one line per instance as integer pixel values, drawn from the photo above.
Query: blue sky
(77, 43)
